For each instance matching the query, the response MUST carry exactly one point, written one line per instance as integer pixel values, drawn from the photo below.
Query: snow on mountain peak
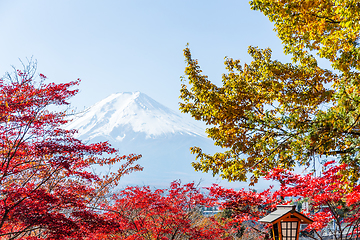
(133, 111)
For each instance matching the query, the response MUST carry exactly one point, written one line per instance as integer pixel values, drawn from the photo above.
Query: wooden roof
(285, 211)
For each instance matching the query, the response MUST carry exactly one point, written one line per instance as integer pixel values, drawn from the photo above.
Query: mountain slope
(133, 111)
(135, 123)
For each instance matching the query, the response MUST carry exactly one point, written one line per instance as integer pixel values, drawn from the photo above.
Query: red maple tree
(173, 213)
(46, 188)
(244, 208)
(333, 200)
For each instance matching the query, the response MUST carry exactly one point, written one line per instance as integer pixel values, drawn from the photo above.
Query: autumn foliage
(269, 114)
(331, 198)
(47, 190)
(271, 117)
(174, 213)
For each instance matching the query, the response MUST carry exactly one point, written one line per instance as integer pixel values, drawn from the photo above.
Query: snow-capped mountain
(137, 112)
(135, 123)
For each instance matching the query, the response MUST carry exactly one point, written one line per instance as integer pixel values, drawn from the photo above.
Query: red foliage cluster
(46, 190)
(245, 205)
(173, 213)
(331, 197)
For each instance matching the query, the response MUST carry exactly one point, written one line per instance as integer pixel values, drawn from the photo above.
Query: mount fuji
(135, 123)
(128, 113)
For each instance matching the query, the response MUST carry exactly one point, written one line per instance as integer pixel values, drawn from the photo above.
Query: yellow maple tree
(270, 114)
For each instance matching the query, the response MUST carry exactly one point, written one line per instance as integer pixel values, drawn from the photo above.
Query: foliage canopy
(270, 114)
(328, 203)
(46, 188)
(173, 213)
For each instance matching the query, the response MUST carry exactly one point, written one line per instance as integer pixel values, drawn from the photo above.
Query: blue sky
(121, 46)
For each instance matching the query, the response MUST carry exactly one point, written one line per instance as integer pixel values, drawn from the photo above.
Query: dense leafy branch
(270, 114)
(46, 191)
